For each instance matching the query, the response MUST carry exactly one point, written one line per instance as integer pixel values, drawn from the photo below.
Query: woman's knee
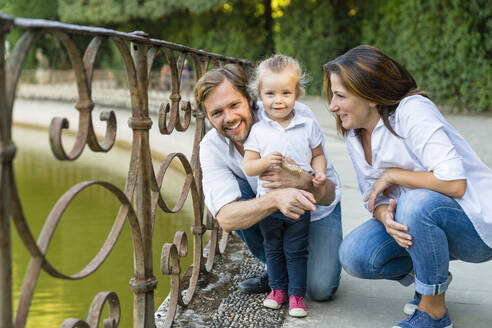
(414, 206)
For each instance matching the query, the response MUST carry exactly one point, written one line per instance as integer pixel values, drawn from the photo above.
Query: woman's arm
(254, 165)
(415, 180)
(243, 214)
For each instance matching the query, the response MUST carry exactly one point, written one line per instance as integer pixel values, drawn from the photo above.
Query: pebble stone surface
(220, 303)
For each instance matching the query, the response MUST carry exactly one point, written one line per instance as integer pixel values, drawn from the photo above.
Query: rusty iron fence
(140, 198)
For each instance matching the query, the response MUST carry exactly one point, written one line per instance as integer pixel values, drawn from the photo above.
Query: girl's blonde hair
(276, 64)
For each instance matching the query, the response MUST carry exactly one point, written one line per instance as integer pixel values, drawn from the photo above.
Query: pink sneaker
(275, 299)
(297, 308)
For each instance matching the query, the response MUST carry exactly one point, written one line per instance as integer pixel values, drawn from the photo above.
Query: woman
(427, 190)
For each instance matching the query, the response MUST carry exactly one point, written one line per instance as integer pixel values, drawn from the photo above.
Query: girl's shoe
(297, 308)
(421, 319)
(275, 299)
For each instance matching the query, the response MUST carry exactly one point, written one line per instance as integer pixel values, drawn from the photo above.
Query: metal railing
(140, 199)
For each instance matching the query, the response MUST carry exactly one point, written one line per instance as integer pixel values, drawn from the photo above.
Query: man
(222, 94)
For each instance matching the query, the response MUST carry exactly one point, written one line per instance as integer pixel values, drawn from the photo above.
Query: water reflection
(41, 181)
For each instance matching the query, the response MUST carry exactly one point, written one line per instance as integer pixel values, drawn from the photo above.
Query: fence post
(7, 153)
(144, 283)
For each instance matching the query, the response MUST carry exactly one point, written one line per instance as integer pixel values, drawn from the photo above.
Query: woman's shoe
(421, 319)
(411, 306)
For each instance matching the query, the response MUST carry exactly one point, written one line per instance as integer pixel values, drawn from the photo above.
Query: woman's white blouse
(428, 143)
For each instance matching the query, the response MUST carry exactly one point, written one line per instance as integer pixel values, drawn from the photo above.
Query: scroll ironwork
(138, 52)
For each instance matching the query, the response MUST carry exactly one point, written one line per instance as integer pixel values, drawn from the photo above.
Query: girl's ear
(373, 105)
(298, 92)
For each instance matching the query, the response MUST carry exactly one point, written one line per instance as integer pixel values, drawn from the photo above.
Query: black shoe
(255, 285)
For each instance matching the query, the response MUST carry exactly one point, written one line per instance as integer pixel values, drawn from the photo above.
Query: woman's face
(353, 111)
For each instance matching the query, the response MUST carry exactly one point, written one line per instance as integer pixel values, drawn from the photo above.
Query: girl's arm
(318, 163)
(415, 180)
(254, 165)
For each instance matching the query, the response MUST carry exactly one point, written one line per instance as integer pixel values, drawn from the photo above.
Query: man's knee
(321, 292)
(353, 260)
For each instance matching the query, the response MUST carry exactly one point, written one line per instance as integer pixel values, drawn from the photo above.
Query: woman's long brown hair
(370, 74)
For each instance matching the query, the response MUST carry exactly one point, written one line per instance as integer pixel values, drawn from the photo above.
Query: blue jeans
(323, 265)
(440, 230)
(286, 248)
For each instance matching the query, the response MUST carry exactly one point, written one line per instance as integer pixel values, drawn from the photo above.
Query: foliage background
(445, 44)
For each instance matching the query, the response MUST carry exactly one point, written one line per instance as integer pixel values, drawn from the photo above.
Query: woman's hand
(393, 228)
(382, 185)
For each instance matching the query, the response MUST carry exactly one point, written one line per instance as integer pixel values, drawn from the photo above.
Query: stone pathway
(220, 303)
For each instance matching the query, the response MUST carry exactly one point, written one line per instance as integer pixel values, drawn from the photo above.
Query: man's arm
(243, 214)
(276, 178)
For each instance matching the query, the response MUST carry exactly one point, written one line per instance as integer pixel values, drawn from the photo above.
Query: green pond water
(41, 181)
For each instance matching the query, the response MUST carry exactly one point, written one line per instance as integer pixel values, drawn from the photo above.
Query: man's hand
(292, 202)
(396, 230)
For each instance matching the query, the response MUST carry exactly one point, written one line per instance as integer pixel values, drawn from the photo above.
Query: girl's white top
(221, 163)
(428, 143)
(295, 141)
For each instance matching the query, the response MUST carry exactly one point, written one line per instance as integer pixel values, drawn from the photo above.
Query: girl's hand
(382, 185)
(274, 158)
(319, 179)
(395, 229)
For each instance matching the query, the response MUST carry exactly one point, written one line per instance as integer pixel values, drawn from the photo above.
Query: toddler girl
(282, 133)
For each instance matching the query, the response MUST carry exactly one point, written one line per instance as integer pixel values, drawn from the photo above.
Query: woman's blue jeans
(325, 236)
(440, 230)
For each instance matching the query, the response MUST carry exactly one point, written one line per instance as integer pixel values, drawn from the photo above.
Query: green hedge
(315, 32)
(445, 44)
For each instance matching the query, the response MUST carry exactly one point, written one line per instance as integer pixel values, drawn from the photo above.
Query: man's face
(229, 112)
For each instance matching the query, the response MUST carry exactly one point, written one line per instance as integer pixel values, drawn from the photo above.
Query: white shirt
(295, 141)
(221, 162)
(428, 143)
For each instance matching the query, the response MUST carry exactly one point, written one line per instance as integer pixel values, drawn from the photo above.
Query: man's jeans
(323, 265)
(440, 230)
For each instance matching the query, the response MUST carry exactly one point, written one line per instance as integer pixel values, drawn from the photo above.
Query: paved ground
(359, 303)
